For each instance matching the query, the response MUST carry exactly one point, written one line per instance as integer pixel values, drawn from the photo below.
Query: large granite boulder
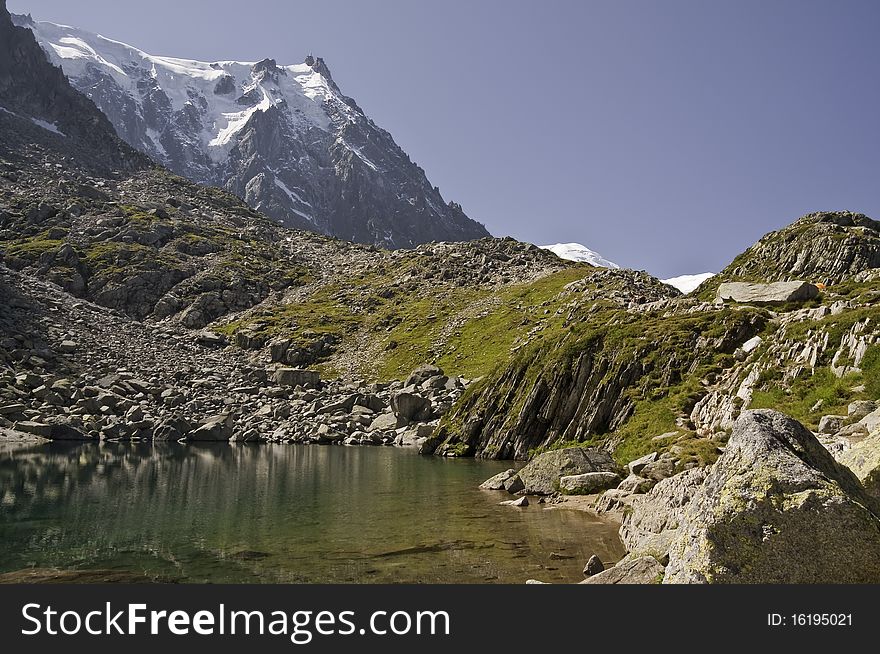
(496, 482)
(775, 293)
(863, 459)
(776, 508)
(411, 407)
(542, 474)
(653, 521)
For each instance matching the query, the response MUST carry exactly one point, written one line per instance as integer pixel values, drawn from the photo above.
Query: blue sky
(667, 135)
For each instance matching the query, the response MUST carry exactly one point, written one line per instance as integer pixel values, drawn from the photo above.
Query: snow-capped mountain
(688, 283)
(578, 252)
(284, 138)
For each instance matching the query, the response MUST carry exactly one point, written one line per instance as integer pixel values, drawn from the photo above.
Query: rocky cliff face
(37, 103)
(283, 138)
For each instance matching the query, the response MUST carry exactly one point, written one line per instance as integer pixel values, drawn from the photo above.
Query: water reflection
(280, 513)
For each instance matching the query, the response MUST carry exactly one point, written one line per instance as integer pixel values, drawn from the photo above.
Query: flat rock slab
(641, 570)
(775, 293)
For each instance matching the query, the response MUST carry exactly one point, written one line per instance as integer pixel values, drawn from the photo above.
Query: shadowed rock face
(776, 508)
(37, 102)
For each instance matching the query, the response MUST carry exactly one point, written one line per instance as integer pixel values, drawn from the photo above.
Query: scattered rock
(640, 570)
(830, 424)
(635, 467)
(522, 501)
(215, 428)
(296, 377)
(496, 482)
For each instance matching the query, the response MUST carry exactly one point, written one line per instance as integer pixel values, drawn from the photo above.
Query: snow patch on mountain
(580, 253)
(688, 283)
(284, 138)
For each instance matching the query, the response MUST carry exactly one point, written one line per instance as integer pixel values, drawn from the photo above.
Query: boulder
(830, 424)
(775, 293)
(588, 483)
(173, 428)
(614, 500)
(542, 474)
(636, 484)
(635, 467)
(296, 377)
(411, 407)
(34, 428)
(863, 459)
(522, 501)
(652, 523)
(594, 566)
(385, 422)
(215, 428)
(860, 409)
(513, 484)
(871, 421)
(496, 482)
(62, 430)
(659, 470)
(422, 374)
(776, 508)
(636, 570)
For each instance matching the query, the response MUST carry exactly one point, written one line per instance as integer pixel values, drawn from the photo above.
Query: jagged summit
(282, 137)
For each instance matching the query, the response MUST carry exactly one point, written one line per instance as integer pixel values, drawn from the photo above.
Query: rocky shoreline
(776, 507)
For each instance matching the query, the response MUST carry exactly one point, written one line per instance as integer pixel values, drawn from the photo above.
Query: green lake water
(281, 514)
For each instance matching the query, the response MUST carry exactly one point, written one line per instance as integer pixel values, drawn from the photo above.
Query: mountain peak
(319, 66)
(283, 138)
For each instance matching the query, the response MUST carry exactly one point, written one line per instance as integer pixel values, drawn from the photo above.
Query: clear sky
(667, 135)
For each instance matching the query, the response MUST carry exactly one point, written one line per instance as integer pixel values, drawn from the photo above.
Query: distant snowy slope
(578, 252)
(688, 283)
(284, 138)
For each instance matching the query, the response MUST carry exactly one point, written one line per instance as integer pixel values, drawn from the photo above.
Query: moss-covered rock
(776, 508)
